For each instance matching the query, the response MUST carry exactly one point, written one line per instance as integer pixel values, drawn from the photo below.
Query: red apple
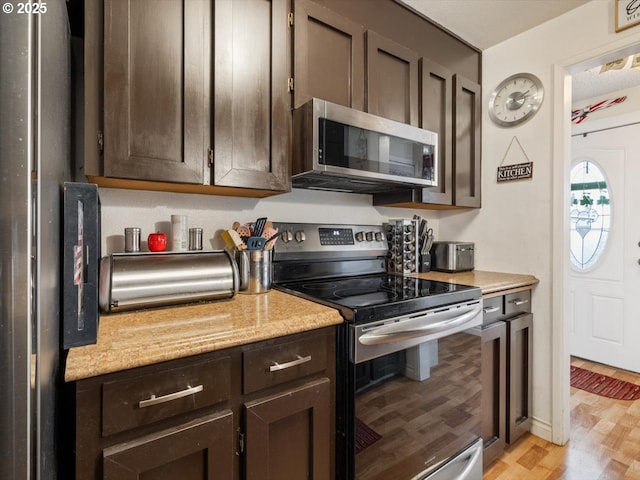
(157, 242)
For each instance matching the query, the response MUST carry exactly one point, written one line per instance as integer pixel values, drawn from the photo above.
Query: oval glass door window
(590, 214)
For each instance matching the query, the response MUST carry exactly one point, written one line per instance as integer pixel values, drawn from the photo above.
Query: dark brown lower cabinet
(198, 450)
(519, 364)
(288, 434)
(256, 411)
(507, 347)
(494, 387)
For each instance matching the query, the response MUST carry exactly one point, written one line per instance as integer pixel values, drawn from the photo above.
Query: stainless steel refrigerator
(34, 162)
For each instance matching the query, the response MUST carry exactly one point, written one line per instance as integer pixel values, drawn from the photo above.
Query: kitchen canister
(179, 233)
(195, 238)
(132, 239)
(255, 272)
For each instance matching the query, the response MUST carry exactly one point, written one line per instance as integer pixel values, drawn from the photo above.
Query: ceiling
(500, 19)
(503, 19)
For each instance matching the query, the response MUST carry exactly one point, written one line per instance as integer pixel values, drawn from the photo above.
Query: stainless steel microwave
(341, 149)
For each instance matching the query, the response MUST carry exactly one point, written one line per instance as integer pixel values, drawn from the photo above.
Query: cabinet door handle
(519, 301)
(281, 366)
(490, 309)
(153, 400)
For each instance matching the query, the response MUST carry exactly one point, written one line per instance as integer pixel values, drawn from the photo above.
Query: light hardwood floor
(604, 441)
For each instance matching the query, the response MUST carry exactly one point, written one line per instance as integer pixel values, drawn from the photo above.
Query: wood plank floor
(604, 441)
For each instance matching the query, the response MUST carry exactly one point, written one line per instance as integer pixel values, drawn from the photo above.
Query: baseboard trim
(542, 429)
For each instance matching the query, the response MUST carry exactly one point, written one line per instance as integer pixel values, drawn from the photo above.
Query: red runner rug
(603, 384)
(365, 436)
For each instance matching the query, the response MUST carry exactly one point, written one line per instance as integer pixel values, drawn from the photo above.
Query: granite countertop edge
(488, 282)
(146, 337)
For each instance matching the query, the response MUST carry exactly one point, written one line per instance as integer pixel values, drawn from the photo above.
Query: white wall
(152, 211)
(514, 231)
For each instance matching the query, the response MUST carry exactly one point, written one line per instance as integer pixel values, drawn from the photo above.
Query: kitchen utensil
(272, 241)
(256, 243)
(269, 232)
(258, 227)
(243, 230)
(428, 241)
(228, 241)
(237, 241)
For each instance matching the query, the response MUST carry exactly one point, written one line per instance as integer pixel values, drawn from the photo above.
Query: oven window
(417, 407)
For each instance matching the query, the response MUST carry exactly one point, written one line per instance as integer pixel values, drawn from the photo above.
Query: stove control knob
(359, 236)
(300, 236)
(369, 236)
(379, 236)
(287, 236)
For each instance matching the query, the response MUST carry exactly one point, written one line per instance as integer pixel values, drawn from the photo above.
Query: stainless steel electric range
(408, 385)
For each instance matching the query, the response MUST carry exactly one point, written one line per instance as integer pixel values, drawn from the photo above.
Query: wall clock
(516, 99)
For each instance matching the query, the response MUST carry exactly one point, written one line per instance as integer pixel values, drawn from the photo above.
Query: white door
(605, 278)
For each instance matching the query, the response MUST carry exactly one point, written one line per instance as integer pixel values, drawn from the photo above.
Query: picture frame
(627, 14)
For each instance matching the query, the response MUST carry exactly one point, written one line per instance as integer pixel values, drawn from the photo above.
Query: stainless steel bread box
(134, 280)
(452, 256)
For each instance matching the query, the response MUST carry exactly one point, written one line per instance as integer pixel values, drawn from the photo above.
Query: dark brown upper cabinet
(450, 106)
(392, 80)
(156, 84)
(436, 114)
(328, 57)
(252, 126)
(188, 96)
(467, 109)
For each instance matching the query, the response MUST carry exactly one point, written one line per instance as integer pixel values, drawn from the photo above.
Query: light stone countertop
(144, 337)
(489, 282)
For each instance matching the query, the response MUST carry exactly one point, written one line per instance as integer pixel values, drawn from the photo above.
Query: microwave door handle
(415, 328)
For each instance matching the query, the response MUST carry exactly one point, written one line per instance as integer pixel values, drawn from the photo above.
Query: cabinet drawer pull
(519, 301)
(281, 366)
(153, 400)
(490, 309)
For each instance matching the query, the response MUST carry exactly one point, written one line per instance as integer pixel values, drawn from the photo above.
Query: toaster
(452, 256)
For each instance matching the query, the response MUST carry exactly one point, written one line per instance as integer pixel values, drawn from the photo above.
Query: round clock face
(516, 99)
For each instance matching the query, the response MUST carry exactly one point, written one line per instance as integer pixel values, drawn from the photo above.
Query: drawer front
(492, 309)
(276, 364)
(516, 303)
(145, 399)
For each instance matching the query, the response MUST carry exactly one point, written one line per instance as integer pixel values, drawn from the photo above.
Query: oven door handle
(417, 327)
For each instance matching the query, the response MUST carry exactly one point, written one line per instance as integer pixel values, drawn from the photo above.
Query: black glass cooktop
(380, 296)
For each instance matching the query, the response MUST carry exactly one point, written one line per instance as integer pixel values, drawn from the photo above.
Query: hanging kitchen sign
(519, 171)
(627, 14)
